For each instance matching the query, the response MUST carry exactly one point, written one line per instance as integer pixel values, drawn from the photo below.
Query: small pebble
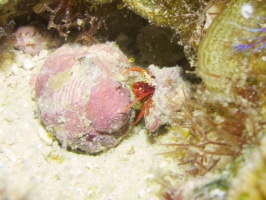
(14, 68)
(43, 53)
(45, 136)
(28, 64)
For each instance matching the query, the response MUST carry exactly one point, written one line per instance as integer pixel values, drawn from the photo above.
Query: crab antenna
(136, 101)
(136, 69)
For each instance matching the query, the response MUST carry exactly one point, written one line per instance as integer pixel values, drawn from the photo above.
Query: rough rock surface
(29, 40)
(79, 98)
(170, 93)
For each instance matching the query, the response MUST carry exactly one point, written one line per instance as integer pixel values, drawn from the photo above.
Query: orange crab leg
(136, 69)
(144, 110)
(136, 101)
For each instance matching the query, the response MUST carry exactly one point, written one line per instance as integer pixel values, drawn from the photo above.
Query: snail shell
(79, 97)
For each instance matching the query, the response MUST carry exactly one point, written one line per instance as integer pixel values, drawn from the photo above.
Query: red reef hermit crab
(143, 90)
(161, 92)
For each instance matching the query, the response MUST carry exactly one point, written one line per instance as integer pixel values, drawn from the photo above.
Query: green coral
(220, 61)
(232, 66)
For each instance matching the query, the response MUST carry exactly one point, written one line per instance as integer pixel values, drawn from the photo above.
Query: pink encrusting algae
(32, 40)
(79, 97)
(29, 40)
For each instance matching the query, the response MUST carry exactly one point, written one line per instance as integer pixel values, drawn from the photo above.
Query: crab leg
(136, 101)
(144, 110)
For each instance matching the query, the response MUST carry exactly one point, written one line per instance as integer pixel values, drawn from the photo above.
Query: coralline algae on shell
(170, 93)
(79, 98)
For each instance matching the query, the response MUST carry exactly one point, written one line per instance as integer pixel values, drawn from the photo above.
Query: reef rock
(170, 93)
(79, 97)
(32, 40)
(29, 40)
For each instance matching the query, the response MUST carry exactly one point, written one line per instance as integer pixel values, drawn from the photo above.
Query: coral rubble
(170, 93)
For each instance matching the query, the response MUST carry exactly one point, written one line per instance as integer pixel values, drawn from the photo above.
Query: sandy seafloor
(33, 166)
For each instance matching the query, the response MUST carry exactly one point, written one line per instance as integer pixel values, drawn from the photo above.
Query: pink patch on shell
(107, 99)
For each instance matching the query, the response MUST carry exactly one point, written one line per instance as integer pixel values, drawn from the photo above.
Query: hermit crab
(161, 92)
(82, 101)
(143, 90)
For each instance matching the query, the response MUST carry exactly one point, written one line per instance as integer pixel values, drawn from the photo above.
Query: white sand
(35, 167)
